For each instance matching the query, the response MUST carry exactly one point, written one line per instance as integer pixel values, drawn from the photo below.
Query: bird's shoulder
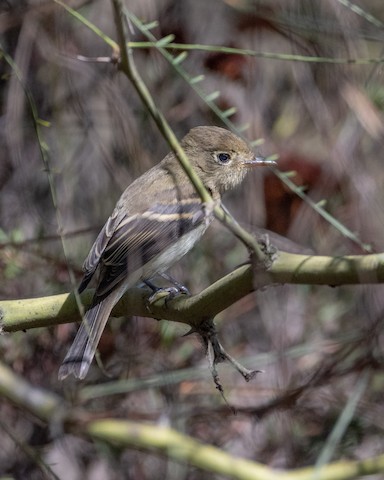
(164, 183)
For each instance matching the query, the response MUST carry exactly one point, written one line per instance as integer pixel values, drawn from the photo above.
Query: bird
(156, 221)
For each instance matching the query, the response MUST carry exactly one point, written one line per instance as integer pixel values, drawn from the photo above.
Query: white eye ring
(224, 158)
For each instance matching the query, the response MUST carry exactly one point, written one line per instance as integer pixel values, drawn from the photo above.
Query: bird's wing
(92, 261)
(127, 242)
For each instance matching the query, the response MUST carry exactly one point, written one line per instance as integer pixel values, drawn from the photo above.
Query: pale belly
(165, 259)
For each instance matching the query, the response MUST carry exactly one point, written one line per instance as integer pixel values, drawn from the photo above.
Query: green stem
(127, 65)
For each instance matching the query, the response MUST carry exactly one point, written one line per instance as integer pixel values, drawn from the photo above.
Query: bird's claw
(162, 296)
(179, 287)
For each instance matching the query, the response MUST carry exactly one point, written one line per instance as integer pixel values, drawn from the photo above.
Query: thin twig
(127, 65)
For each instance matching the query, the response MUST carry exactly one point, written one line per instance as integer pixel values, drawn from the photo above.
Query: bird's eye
(223, 158)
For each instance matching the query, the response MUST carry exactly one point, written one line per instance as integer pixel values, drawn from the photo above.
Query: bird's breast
(174, 252)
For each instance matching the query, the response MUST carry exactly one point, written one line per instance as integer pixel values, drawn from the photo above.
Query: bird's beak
(260, 161)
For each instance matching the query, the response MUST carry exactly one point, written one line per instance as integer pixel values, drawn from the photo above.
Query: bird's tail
(80, 355)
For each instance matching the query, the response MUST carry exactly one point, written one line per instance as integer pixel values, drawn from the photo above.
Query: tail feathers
(80, 355)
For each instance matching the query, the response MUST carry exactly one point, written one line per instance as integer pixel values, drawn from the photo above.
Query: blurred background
(320, 348)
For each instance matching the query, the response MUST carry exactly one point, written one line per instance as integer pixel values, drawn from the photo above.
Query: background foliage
(320, 348)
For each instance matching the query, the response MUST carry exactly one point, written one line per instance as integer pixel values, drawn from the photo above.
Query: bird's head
(219, 157)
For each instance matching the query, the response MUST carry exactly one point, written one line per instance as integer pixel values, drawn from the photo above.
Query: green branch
(53, 409)
(253, 53)
(16, 315)
(162, 45)
(180, 448)
(184, 449)
(127, 66)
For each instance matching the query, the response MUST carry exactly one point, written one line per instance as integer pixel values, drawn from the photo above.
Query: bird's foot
(177, 285)
(161, 295)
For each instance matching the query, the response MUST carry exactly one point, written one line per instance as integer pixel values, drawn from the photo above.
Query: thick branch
(17, 315)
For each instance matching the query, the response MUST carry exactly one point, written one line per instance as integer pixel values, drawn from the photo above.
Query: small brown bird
(156, 221)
